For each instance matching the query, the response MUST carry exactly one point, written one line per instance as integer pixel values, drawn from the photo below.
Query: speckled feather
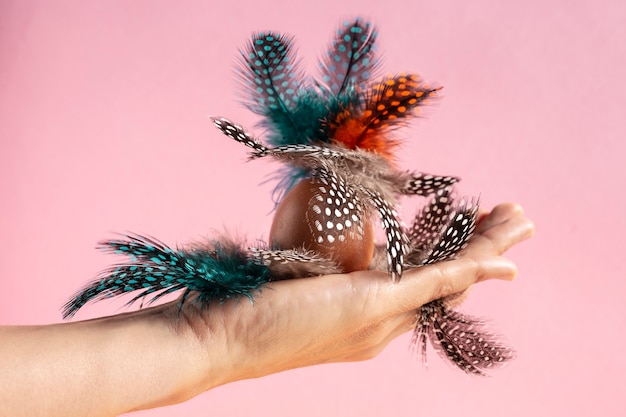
(360, 168)
(350, 61)
(466, 341)
(387, 104)
(440, 231)
(270, 74)
(294, 263)
(218, 270)
(372, 180)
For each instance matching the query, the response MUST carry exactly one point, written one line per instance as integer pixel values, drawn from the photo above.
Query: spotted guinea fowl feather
(350, 60)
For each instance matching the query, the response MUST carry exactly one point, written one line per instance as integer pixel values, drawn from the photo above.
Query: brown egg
(304, 219)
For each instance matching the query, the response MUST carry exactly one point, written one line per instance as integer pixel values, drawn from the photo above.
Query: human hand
(347, 317)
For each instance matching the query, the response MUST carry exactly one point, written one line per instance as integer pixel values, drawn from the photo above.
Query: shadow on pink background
(104, 127)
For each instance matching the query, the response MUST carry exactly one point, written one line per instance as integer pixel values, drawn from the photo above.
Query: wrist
(159, 360)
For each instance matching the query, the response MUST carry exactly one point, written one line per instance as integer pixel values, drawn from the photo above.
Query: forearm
(102, 367)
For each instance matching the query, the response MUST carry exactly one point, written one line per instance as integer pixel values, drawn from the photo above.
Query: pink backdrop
(103, 127)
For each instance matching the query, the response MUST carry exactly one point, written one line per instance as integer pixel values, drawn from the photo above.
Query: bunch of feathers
(336, 132)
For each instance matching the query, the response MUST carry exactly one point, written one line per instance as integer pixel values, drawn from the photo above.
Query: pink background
(103, 127)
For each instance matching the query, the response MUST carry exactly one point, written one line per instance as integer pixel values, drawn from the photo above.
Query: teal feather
(270, 73)
(308, 123)
(303, 124)
(217, 271)
(350, 60)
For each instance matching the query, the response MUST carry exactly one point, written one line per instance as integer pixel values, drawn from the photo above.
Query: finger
(481, 216)
(500, 214)
(501, 237)
(422, 285)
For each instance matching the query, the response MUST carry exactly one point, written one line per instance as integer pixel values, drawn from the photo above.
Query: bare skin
(157, 357)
